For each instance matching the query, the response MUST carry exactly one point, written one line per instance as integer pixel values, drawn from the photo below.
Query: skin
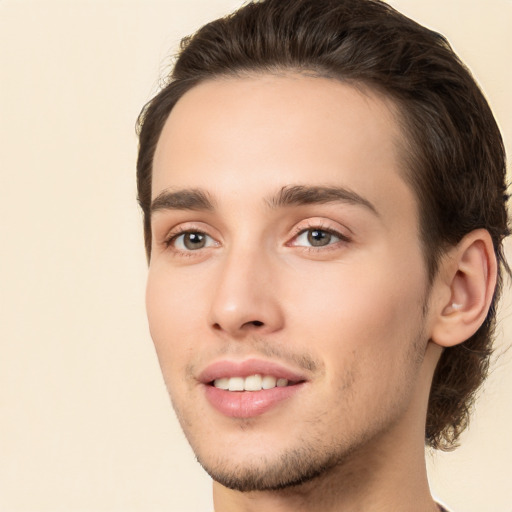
(354, 316)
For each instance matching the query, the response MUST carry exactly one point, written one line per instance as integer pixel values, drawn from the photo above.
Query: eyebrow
(296, 195)
(291, 195)
(186, 199)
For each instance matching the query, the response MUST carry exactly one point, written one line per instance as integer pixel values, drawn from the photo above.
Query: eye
(191, 241)
(315, 237)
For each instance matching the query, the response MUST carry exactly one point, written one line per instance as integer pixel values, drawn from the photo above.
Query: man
(323, 188)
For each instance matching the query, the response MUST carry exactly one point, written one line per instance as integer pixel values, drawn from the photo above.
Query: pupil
(194, 240)
(318, 238)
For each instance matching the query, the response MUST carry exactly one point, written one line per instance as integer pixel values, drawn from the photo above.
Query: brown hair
(453, 150)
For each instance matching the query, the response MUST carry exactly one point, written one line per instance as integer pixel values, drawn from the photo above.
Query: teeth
(222, 383)
(251, 383)
(236, 384)
(268, 382)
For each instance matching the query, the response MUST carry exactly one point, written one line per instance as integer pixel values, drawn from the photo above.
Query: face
(286, 286)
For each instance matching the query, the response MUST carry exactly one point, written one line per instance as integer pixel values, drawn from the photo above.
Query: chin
(291, 469)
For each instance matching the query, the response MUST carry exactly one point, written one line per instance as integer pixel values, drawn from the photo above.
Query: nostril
(256, 323)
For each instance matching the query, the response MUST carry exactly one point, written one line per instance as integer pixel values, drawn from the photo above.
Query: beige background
(85, 422)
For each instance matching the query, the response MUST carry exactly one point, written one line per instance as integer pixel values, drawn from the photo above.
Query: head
(449, 152)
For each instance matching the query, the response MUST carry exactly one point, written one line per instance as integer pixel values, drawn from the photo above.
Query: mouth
(255, 382)
(249, 388)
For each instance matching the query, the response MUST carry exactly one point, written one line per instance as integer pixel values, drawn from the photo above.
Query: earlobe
(468, 278)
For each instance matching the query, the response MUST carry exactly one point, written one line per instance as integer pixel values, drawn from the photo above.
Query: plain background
(85, 421)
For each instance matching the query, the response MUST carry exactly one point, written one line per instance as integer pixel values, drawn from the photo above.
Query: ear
(464, 289)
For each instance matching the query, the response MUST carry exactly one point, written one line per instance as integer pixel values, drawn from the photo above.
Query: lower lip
(247, 404)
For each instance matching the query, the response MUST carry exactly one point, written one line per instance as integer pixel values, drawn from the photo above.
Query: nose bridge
(245, 297)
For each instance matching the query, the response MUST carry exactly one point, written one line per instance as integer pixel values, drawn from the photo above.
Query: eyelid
(179, 244)
(321, 225)
(187, 227)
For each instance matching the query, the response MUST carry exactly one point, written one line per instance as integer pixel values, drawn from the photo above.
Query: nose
(246, 299)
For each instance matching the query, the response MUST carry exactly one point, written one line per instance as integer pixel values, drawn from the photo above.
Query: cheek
(173, 311)
(360, 318)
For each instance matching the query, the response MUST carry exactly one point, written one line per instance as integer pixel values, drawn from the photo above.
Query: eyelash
(319, 227)
(174, 235)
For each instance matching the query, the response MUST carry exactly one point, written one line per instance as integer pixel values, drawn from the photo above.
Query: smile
(250, 388)
(251, 383)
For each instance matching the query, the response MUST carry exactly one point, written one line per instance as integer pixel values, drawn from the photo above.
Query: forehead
(262, 132)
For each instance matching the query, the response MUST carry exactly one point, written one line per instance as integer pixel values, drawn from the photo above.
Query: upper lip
(228, 368)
